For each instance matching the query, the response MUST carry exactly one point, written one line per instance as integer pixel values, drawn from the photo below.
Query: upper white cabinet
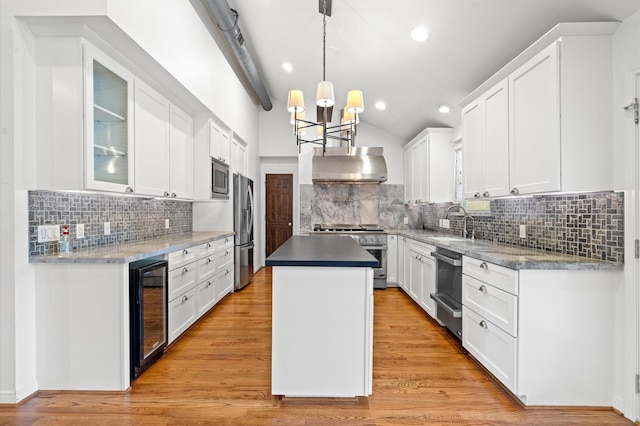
(429, 167)
(109, 158)
(239, 157)
(219, 145)
(535, 124)
(485, 143)
(164, 146)
(559, 122)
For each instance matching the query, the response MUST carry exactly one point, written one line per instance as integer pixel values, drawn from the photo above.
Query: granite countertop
(316, 250)
(135, 250)
(509, 256)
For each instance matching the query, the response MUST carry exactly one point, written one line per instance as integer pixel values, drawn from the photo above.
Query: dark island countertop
(321, 250)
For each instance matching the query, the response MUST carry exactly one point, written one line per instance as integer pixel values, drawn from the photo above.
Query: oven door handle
(447, 259)
(374, 247)
(441, 301)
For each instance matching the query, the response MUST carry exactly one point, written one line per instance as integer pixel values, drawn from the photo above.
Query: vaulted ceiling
(368, 47)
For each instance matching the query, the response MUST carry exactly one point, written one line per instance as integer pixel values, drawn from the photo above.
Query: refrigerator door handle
(250, 210)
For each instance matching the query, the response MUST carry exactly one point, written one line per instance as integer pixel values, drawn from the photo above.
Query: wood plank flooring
(218, 373)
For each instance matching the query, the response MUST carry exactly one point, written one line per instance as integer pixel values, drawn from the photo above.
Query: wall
(589, 225)
(131, 218)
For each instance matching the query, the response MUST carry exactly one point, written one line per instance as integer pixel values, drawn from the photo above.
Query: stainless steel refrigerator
(243, 227)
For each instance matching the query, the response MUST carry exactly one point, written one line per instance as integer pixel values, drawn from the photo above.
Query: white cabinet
(152, 141)
(422, 279)
(402, 262)
(180, 154)
(559, 99)
(164, 146)
(429, 167)
(485, 144)
(239, 157)
(108, 122)
(199, 277)
(219, 145)
(392, 259)
(538, 331)
(535, 124)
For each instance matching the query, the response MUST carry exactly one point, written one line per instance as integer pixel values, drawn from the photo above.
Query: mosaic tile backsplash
(130, 218)
(589, 225)
(586, 224)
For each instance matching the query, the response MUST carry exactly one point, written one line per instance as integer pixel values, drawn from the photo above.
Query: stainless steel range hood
(343, 165)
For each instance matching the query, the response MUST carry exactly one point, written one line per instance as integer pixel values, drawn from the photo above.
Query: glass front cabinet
(108, 123)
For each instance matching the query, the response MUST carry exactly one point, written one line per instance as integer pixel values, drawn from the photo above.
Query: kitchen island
(322, 327)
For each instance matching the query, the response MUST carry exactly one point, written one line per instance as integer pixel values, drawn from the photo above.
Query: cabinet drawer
(421, 248)
(206, 297)
(225, 243)
(491, 346)
(498, 306)
(498, 276)
(206, 267)
(224, 258)
(224, 282)
(207, 249)
(182, 257)
(182, 279)
(182, 313)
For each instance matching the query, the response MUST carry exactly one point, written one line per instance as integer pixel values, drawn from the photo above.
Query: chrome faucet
(446, 215)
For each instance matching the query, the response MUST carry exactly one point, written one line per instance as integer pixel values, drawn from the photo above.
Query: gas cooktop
(346, 227)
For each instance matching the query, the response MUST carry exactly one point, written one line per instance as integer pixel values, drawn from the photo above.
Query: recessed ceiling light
(381, 105)
(444, 109)
(419, 34)
(287, 67)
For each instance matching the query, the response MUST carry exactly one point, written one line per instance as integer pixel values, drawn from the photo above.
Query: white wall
(183, 60)
(626, 63)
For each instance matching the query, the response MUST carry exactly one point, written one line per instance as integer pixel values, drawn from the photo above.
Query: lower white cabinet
(402, 268)
(545, 334)
(195, 287)
(420, 281)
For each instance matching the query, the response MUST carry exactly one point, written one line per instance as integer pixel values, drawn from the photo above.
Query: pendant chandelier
(346, 130)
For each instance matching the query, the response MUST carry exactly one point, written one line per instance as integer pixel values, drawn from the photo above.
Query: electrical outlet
(107, 228)
(406, 220)
(166, 224)
(523, 231)
(446, 224)
(48, 233)
(79, 231)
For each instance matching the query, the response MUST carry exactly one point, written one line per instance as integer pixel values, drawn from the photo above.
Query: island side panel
(82, 320)
(322, 331)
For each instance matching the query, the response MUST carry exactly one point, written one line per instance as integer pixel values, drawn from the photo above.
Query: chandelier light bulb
(324, 95)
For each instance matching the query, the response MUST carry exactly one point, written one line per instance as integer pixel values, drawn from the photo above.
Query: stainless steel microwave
(219, 179)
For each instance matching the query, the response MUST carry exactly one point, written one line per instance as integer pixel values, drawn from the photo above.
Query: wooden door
(279, 210)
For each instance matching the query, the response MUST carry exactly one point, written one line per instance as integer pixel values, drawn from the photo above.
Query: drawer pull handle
(484, 265)
(208, 283)
(226, 272)
(185, 298)
(483, 324)
(226, 252)
(483, 288)
(208, 260)
(208, 245)
(185, 252)
(184, 271)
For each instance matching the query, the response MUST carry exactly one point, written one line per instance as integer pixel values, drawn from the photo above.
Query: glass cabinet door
(108, 123)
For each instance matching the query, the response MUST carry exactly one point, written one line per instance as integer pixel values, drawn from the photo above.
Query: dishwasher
(448, 295)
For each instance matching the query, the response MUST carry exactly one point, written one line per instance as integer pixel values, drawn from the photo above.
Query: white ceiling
(369, 48)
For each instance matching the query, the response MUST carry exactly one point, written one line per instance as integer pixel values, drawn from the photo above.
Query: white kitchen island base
(322, 331)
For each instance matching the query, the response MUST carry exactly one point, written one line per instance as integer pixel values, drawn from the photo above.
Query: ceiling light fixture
(420, 34)
(325, 100)
(381, 105)
(287, 67)
(444, 109)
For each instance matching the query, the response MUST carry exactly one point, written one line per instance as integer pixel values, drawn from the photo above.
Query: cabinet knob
(184, 271)
(185, 252)
(208, 283)
(483, 288)
(226, 272)
(208, 260)
(185, 298)
(515, 191)
(226, 252)
(486, 194)
(484, 265)
(128, 189)
(208, 245)
(483, 324)
(476, 195)
(173, 194)
(165, 194)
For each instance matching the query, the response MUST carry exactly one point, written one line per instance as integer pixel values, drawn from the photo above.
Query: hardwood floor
(219, 373)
